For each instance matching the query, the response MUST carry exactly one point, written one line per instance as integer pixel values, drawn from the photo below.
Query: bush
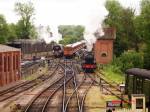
(130, 59)
(147, 58)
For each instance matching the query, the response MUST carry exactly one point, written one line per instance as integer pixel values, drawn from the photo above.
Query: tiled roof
(4, 48)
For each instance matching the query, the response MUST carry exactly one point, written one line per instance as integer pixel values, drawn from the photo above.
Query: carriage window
(139, 103)
(104, 54)
(139, 85)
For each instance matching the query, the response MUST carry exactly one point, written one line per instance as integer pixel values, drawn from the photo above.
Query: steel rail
(84, 96)
(44, 91)
(75, 90)
(119, 97)
(23, 87)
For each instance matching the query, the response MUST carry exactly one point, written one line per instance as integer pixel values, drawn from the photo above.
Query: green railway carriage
(138, 82)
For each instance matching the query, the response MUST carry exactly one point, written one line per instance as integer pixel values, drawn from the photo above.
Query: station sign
(115, 103)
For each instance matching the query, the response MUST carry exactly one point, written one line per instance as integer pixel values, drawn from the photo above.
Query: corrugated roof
(19, 41)
(139, 72)
(4, 48)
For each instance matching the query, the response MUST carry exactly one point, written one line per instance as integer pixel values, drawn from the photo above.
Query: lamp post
(122, 86)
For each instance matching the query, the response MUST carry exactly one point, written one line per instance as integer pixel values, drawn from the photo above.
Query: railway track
(110, 88)
(83, 90)
(13, 91)
(41, 101)
(76, 99)
(69, 98)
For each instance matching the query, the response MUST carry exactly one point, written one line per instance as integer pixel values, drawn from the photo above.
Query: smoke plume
(89, 13)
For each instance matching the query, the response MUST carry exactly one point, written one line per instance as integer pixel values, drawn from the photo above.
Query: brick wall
(103, 51)
(9, 67)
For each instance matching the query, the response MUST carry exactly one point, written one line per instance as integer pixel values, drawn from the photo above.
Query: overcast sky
(54, 12)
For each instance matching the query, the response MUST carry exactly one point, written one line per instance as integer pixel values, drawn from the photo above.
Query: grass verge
(111, 74)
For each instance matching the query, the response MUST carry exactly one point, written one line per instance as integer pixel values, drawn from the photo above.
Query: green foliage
(12, 32)
(144, 25)
(3, 30)
(68, 40)
(130, 59)
(25, 27)
(123, 19)
(112, 73)
(145, 16)
(133, 32)
(147, 57)
(115, 70)
(71, 33)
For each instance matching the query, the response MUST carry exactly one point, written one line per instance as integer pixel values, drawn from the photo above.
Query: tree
(145, 30)
(123, 19)
(25, 25)
(147, 57)
(71, 33)
(68, 40)
(3, 30)
(12, 32)
(114, 20)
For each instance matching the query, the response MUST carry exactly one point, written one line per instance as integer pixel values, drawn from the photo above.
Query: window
(139, 85)
(139, 103)
(104, 54)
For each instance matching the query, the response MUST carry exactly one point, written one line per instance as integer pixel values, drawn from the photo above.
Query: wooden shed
(103, 48)
(9, 64)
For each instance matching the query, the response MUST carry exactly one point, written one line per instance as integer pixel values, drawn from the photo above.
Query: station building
(9, 64)
(103, 48)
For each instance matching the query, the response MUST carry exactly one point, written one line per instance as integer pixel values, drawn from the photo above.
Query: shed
(9, 64)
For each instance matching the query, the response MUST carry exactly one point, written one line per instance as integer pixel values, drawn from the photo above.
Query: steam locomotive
(89, 64)
(57, 51)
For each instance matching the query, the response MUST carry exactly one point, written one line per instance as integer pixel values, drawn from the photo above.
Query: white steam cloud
(89, 13)
(48, 36)
(96, 17)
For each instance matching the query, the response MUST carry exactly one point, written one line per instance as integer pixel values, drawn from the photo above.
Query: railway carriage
(71, 49)
(138, 82)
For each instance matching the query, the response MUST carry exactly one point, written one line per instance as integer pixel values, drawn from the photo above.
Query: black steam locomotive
(57, 51)
(89, 64)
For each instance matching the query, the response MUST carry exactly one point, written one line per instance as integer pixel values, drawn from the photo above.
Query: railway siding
(17, 89)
